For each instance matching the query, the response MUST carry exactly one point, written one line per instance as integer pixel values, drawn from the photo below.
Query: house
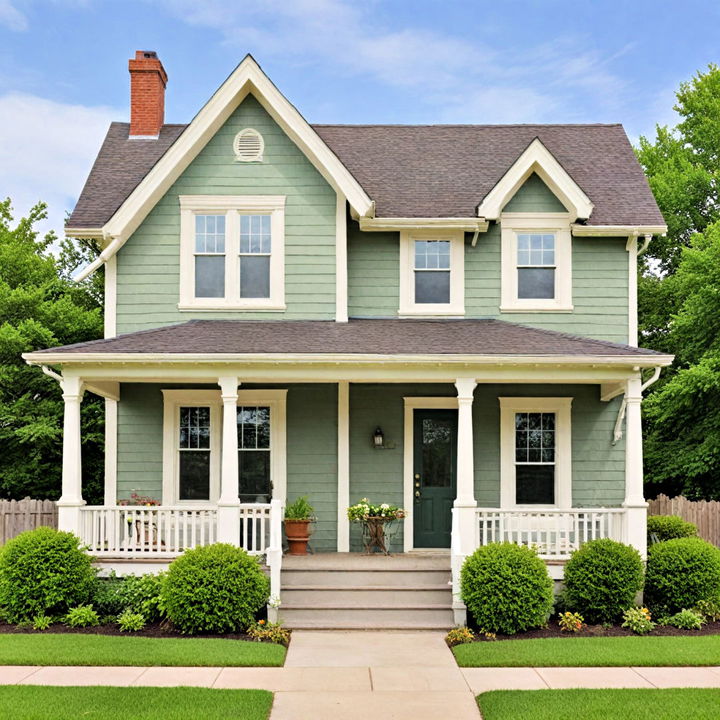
(278, 294)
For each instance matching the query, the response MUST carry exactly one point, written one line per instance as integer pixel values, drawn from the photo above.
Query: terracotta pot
(298, 534)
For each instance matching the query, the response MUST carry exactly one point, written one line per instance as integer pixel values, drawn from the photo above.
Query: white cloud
(47, 150)
(11, 17)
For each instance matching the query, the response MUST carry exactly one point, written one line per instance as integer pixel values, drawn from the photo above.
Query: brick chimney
(147, 94)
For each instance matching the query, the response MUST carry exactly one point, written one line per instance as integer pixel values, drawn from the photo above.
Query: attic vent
(248, 146)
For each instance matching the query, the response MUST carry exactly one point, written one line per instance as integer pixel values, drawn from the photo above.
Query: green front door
(434, 476)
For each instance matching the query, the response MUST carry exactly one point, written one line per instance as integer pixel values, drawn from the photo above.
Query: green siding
(148, 264)
(534, 196)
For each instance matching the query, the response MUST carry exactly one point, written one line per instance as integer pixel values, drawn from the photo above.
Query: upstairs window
(432, 271)
(232, 252)
(536, 266)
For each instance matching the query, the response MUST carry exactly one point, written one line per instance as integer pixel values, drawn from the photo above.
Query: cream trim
(632, 251)
(536, 158)
(408, 306)
(371, 224)
(616, 230)
(111, 438)
(233, 206)
(343, 480)
(410, 405)
(557, 223)
(561, 406)
(341, 260)
(110, 309)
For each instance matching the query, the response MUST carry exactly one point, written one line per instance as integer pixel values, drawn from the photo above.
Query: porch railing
(554, 533)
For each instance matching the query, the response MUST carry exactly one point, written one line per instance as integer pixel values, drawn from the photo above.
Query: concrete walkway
(370, 675)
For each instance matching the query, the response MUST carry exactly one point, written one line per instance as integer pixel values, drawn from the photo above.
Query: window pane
(253, 427)
(536, 283)
(194, 428)
(254, 468)
(210, 233)
(255, 234)
(209, 276)
(194, 475)
(255, 276)
(432, 254)
(432, 287)
(535, 484)
(535, 437)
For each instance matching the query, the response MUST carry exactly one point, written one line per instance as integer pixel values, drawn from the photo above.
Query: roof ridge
(466, 125)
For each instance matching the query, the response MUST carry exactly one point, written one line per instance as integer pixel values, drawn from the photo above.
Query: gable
(534, 196)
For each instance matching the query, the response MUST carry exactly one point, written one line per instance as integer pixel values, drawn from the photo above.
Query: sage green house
(442, 318)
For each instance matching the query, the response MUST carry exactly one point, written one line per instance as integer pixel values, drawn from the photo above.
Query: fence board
(704, 513)
(16, 516)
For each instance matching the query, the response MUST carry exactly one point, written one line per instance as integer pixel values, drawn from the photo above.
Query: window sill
(536, 308)
(431, 312)
(230, 306)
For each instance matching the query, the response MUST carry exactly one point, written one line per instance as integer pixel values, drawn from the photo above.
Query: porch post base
(228, 523)
(459, 614)
(69, 516)
(635, 526)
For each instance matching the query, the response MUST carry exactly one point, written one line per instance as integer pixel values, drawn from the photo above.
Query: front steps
(352, 591)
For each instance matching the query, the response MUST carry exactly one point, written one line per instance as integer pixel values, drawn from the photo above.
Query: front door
(434, 476)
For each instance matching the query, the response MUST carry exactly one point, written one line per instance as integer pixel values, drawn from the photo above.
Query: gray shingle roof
(382, 337)
(416, 170)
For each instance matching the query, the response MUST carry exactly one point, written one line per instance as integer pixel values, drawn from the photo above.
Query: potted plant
(298, 517)
(375, 520)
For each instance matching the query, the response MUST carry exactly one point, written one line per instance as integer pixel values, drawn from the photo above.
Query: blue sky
(63, 66)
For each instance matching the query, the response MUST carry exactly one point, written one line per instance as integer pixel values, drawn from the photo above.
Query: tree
(41, 307)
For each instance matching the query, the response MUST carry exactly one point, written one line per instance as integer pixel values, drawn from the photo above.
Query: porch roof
(199, 340)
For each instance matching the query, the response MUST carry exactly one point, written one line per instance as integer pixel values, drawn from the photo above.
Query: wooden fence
(17, 516)
(704, 513)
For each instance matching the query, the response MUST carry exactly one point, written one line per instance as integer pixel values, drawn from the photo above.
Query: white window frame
(561, 406)
(173, 400)
(232, 206)
(408, 306)
(514, 224)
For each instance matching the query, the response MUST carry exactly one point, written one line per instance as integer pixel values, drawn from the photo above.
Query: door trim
(412, 404)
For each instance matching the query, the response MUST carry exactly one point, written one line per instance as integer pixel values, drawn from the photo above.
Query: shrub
(264, 631)
(43, 572)
(136, 593)
(82, 616)
(506, 587)
(459, 636)
(215, 588)
(639, 620)
(602, 578)
(680, 573)
(131, 622)
(687, 620)
(41, 622)
(669, 527)
(709, 609)
(570, 622)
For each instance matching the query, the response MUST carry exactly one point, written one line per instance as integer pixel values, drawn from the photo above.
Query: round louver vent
(248, 146)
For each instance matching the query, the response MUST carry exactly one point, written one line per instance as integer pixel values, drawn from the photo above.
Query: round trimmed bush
(602, 579)
(216, 588)
(43, 572)
(680, 573)
(669, 527)
(506, 588)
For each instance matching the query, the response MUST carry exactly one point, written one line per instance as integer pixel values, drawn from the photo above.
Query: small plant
(639, 620)
(131, 622)
(300, 509)
(142, 500)
(490, 636)
(570, 622)
(668, 527)
(459, 636)
(264, 631)
(82, 616)
(365, 509)
(687, 620)
(709, 609)
(41, 622)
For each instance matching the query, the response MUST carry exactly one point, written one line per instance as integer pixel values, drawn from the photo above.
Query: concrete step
(383, 617)
(312, 595)
(363, 578)
(360, 561)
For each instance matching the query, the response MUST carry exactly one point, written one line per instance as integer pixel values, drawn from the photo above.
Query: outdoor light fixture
(378, 438)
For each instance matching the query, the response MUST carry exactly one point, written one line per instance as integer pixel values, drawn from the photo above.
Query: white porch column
(464, 532)
(343, 489)
(273, 556)
(635, 525)
(71, 499)
(228, 512)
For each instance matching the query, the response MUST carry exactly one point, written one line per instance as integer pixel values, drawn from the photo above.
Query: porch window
(194, 451)
(535, 458)
(253, 429)
(536, 265)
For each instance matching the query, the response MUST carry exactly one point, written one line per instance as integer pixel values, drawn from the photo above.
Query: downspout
(618, 433)
(101, 259)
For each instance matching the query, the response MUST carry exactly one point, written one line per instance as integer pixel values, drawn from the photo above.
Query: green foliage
(571, 622)
(82, 616)
(687, 620)
(639, 620)
(43, 571)
(215, 588)
(300, 509)
(41, 307)
(668, 527)
(41, 622)
(264, 631)
(506, 588)
(131, 622)
(709, 609)
(459, 636)
(133, 593)
(364, 509)
(602, 579)
(680, 573)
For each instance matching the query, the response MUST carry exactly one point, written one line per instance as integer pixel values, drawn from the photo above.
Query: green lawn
(675, 704)
(72, 649)
(34, 702)
(595, 651)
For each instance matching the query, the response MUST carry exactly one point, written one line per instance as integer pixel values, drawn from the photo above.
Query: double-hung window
(535, 458)
(194, 453)
(431, 273)
(253, 429)
(536, 266)
(232, 252)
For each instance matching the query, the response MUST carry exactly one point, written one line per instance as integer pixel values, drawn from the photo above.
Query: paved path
(370, 675)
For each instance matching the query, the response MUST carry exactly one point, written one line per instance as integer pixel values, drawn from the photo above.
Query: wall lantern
(378, 438)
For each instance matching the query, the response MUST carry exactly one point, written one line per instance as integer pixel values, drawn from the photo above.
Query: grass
(72, 649)
(34, 702)
(674, 704)
(589, 652)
